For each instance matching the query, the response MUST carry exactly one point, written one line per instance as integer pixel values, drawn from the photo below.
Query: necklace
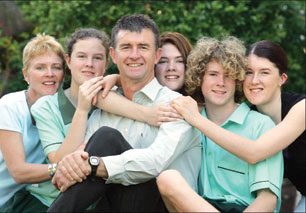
(28, 103)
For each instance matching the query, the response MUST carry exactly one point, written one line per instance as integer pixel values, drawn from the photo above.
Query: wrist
(82, 112)
(102, 171)
(144, 112)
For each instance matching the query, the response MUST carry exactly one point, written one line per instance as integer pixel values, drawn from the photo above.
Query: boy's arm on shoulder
(264, 202)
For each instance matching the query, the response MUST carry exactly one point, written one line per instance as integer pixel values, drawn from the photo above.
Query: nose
(171, 65)
(221, 80)
(49, 72)
(134, 53)
(255, 78)
(89, 62)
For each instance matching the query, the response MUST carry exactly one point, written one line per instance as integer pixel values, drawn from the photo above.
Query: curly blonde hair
(228, 52)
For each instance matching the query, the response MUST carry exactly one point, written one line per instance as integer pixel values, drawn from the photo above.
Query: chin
(255, 101)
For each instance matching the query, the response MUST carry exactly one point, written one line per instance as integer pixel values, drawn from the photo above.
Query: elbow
(251, 160)
(18, 177)
(253, 156)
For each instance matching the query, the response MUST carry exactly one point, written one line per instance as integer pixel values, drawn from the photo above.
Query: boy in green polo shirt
(215, 73)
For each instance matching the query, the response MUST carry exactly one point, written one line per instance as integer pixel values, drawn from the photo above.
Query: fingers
(109, 82)
(88, 91)
(73, 166)
(70, 172)
(61, 182)
(91, 87)
(106, 89)
(166, 113)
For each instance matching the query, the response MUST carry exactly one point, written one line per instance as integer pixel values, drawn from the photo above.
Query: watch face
(94, 160)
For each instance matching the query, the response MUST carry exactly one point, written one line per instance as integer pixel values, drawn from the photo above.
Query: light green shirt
(53, 116)
(226, 180)
(175, 145)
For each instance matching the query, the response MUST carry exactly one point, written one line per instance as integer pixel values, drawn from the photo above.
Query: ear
(158, 55)
(283, 79)
(26, 76)
(112, 54)
(67, 59)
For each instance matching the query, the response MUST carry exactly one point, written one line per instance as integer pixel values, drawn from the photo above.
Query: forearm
(30, 173)
(122, 106)
(74, 137)
(264, 202)
(244, 148)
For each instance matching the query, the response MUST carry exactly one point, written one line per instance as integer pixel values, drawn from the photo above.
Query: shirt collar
(65, 106)
(238, 116)
(151, 90)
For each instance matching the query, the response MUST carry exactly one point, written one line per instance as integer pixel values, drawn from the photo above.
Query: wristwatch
(94, 162)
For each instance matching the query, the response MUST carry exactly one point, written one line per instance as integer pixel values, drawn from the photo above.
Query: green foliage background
(280, 21)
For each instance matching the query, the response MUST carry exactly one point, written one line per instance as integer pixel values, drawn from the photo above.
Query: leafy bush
(280, 21)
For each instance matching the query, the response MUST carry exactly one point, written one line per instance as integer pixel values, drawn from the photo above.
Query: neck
(131, 87)
(72, 94)
(219, 114)
(32, 97)
(273, 108)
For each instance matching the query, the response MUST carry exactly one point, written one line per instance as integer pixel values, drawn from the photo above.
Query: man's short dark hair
(135, 23)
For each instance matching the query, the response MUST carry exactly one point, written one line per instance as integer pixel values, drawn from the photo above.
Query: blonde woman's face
(45, 74)
(170, 70)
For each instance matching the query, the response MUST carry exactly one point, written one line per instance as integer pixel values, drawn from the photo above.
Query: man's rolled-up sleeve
(139, 165)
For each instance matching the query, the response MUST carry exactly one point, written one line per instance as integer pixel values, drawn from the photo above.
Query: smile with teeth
(48, 83)
(171, 77)
(135, 65)
(219, 92)
(256, 90)
(88, 72)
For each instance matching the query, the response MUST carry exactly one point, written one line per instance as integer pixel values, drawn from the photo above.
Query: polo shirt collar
(238, 116)
(65, 106)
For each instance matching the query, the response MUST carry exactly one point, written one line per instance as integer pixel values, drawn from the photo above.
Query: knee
(107, 133)
(168, 181)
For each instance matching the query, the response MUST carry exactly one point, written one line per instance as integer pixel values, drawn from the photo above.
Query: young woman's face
(170, 70)
(263, 81)
(45, 74)
(88, 60)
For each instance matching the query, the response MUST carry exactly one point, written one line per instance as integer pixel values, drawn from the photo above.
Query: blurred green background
(280, 21)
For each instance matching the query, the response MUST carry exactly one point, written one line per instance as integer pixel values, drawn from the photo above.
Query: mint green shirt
(53, 116)
(227, 181)
(175, 145)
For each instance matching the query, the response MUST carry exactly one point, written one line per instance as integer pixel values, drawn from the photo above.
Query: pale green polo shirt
(53, 115)
(227, 181)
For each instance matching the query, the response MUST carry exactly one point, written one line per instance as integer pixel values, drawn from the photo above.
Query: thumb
(85, 155)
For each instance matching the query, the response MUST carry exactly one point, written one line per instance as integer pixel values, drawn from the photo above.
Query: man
(174, 145)
(226, 182)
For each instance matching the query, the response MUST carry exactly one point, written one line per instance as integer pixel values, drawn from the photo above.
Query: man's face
(135, 55)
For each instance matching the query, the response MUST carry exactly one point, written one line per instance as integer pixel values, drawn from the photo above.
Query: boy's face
(217, 87)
